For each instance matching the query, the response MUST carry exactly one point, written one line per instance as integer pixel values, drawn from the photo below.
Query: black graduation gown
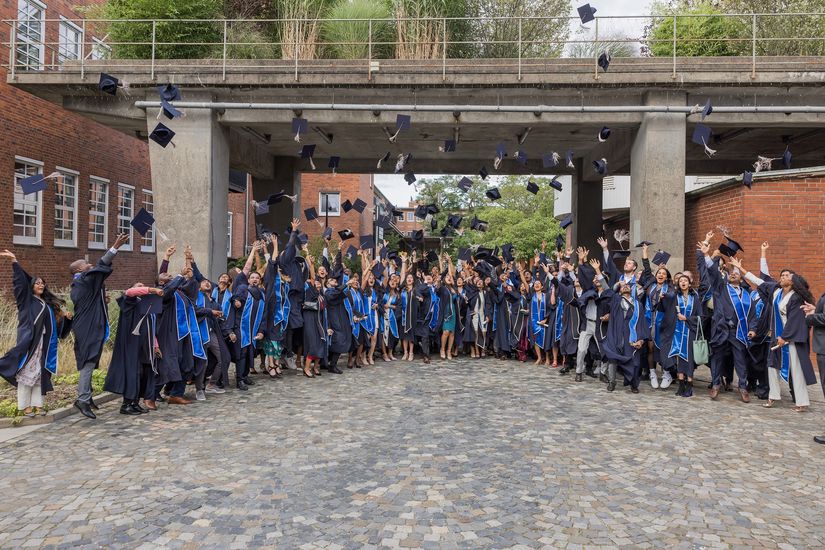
(504, 326)
(131, 351)
(90, 323)
(520, 315)
(425, 313)
(667, 324)
(724, 321)
(33, 324)
(795, 331)
(617, 348)
(570, 320)
(668, 305)
(169, 366)
(292, 266)
(409, 315)
(338, 321)
(315, 323)
(470, 335)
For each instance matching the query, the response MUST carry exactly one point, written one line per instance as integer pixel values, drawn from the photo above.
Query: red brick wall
(351, 187)
(787, 214)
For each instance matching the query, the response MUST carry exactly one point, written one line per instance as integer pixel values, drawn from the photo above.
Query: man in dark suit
(815, 317)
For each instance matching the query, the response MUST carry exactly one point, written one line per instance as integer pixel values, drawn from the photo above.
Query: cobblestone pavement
(463, 454)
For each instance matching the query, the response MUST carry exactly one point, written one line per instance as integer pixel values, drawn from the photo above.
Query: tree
(519, 217)
(713, 35)
(617, 45)
(544, 28)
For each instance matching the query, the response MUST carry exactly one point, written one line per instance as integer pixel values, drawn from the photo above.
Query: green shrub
(348, 39)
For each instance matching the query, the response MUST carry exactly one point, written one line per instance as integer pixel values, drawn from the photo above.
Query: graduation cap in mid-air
(261, 208)
(786, 158)
(278, 197)
(521, 157)
(401, 163)
(409, 177)
(661, 257)
(359, 206)
(559, 242)
(168, 110)
(454, 220)
(35, 183)
(366, 242)
(162, 135)
(432, 256)
(299, 126)
(707, 109)
(433, 209)
(433, 223)
(464, 254)
(604, 133)
(747, 179)
(702, 136)
(402, 122)
(345, 234)
(478, 225)
(109, 84)
(346, 206)
(378, 270)
(445, 231)
(586, 13)
(311, 214)
(532, 187)
(604, 60)
(421, 211)
(501, 152)
(643, 243)
(493, 194)
(352, 252)
(169, 92)
(730, 248)
(418, 235)
(142, 222)
(382, 160)
(307, 152)
(550, 160)
(600, 165)
(465, 184)
(567, 221)
(568, 159)
(483, 173)
(327, 235)
(507, 252)
(334, 163)
(448, 146)
(555, 183)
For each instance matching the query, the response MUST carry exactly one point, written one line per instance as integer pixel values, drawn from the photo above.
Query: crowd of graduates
(583, 315)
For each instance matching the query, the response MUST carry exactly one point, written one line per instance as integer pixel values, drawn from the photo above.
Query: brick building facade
(319, 190)
(105, 174)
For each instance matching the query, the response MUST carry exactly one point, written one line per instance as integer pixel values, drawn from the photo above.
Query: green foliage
(713, 35)
(618, 46)
(246, 41)
(519, 217)
(348, 39)
(176, 39)
(544, 28)
(8, 408)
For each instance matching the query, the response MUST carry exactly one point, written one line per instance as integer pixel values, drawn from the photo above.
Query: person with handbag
(316, 328)
(681, 308)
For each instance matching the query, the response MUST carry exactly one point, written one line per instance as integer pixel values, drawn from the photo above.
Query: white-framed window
(99, 49)
(329, 204)
(98, 212)
(65, 208)
(27, 208)
(229, 234)
(30, 50)
(410, 216)
(71, 40)
(125, 212)
(147, 243)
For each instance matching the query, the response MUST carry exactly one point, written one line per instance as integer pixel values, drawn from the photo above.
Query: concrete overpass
(525, 104)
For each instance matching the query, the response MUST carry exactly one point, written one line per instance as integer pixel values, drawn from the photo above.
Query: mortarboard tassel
(393, 137)
(762, 163)
(570, 164)
(297, 137)
(696, 109)
(312, 164)
(556, 158)
(497, 162)
(708, 151)
(381, 161)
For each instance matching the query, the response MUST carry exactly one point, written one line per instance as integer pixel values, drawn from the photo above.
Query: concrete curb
(51, 416)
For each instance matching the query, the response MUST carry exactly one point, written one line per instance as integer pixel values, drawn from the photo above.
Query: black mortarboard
(303, 238)
(730, 248)
(586, 13)
(261, 208)
(366, 242)
(479, 225)
(359, 206)
(151, 303)
(307, 151)
(493, 194)
(108, 84)
(448, 147)
(433, 209)
(142, 222)
(397, 213)
(334, 163)
(786, 158)
(482, 253)
(507, 252)
(162, 135)
(311, 214)
(421, 211)
(465, 184)
(568, 159)
(483, 269)
(559, 242)
(501, 150)
(747, 179)
(432, 256)
(418, 235)
(433, 223)
(521, 156)
(567, 221)
(378, 270)
(586, 276)
(299, 126)
(555, 184)
(352, 252)
(532, 187)
(346, 206)
(445, 231)
(327, 233)
(707, 109)
(621, 254)
(464, 254)
(169, 92)
(276, 198)
(604, 133)
(483, 173)
(345, 234)
(169, 110)
(661, 257)
(642, 243)
(701, 134)
(454, 220)
(550, 160)
(409, 177)
(33, 184)
(493, 261)
(600, 165)
(403, 122)
(604, 60)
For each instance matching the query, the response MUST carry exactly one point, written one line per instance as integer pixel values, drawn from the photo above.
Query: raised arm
(249, 259)
(311, 265)
(120, 240)
(763, 261)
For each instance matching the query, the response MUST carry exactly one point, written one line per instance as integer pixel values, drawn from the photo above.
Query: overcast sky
(394, 186)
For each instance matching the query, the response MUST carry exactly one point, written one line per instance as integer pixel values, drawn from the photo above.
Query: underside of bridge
(655, 148)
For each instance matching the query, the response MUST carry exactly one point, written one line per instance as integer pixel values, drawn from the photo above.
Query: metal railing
(512, 44)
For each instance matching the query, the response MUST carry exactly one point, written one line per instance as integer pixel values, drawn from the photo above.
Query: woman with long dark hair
(41, 320)
(448, 311)
(316, 333)
(409, 308)
(681, 308)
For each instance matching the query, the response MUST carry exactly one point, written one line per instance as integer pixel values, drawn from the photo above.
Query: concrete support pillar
(190, 185)
(586, 206)
(286, 179)
(657, 179)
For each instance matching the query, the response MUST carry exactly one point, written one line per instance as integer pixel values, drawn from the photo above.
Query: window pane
(125, 212)
(26, 207)
(65, 209)
(98, 198)
(148, 241)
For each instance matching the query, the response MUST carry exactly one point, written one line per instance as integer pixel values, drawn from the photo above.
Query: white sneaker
(214, 389)
(200, 395)
(654, 381)
(667, 380)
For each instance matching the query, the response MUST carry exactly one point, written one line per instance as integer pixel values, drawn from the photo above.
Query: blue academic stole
(249, 327)
(348, 305)
(559, 320)
(785, 351)
(741, 306)
(180, 316)
(188, 325)
(634, 319)
(537, 313)
(404, 303)
(366, 304)
(681, 335)
(434, 308)
(657, 318)
(282, 305)
(390, 300)
(759, 305)
(203, 327)
(226, 303)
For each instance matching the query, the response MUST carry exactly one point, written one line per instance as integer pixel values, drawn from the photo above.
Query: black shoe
(242, 386)
(591, 374)
(129, 409)
(680, 391)
(248, 381)
(336, 370)
(137, 408)
(820, 439)
(578, 377)
(93, 404)
(85, 409)
(634, 389)
(603, 378)
(564, 370)
(611, 386)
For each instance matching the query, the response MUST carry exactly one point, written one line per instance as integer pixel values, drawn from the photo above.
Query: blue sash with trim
(741, 306)
(785, 351)
(681, 335)
(434, 308)
(203, 327)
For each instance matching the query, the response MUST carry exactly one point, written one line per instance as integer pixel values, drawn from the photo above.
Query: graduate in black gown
(681, 308)
(91, 320)
(246, 320)
(41, 320)
(337, 317)
(426, 298)
(294, 266)
(316, 335)
(131, 369)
